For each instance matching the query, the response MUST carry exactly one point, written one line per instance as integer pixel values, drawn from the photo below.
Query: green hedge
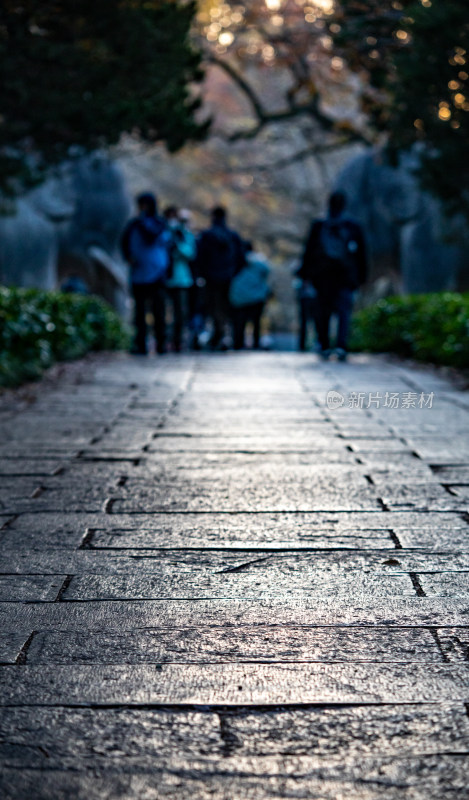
(38, 328)
(426, 327)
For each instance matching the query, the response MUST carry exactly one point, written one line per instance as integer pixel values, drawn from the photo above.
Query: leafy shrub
(38, 328)
(427, 327)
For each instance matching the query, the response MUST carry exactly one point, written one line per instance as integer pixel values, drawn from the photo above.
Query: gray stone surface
(253, 779)
(278, 643)
(234, 684)
(214, 586)
(362, 610)
(54, 737)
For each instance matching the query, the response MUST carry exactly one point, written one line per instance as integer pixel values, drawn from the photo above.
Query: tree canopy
(371, 71)
(75, 76)
(414, 58)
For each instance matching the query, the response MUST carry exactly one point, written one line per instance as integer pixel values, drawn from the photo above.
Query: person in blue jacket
(146, 246)
(249, 292)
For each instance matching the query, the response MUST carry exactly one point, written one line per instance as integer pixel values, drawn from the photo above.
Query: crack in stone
(63, 588)
(449, 488)
(416, 584)
(108, 503)
(438, 642)
(464, 648)
(229, 739)
(23, 654)
(242, 567)
(87, 539)
(9, 522)
(395, 539)
(384, 506)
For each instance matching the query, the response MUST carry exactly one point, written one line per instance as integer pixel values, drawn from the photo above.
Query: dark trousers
(307, 309)
(218, 308)
(150, 295)
(243, 315)
(329, 303)
(179, 301)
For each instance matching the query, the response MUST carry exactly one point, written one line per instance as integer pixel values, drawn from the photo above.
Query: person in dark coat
(220, 256)
(146, 246)
(335, 265)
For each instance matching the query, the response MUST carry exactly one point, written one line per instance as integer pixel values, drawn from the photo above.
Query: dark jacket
(329, 274)
(146, 246)
(220, 254)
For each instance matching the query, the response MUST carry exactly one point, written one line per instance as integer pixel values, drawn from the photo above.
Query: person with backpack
(220, 256)
(249, 292)
(146, 245)
(335, 265)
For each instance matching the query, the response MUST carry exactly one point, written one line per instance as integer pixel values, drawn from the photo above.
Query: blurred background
(264, 106)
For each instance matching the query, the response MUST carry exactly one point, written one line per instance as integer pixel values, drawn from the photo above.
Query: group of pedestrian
(216, 277)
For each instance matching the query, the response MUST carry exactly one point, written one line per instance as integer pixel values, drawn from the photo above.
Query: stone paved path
(214, 586)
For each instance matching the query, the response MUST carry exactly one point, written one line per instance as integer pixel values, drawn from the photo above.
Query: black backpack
(337, 254)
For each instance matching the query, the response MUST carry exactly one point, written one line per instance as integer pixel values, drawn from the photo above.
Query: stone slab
(228, 495)
(64, 738)
(30, 588)
(287, 565)
(261, 533)
(261, 643)
(251, 444)
(57, 528)
(425, 778)
(418, 497)
(439, 451)
(328, 612)
(452, 474)
(445, 584)
(29, 467)
(234, 684)
(248, 584)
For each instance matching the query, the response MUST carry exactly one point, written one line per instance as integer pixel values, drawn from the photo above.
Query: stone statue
(413, 245)
(69, 228)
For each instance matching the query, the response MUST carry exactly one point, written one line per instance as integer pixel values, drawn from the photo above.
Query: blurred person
(220, 256)
(249, 292)
(306, 296)
(180, 279)
(146, 245)
(335, 265)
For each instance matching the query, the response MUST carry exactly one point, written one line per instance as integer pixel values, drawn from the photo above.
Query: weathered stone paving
(215, 586)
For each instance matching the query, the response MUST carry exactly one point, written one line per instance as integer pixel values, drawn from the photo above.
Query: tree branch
(264, 117)
(242, 84)
(301, 155)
